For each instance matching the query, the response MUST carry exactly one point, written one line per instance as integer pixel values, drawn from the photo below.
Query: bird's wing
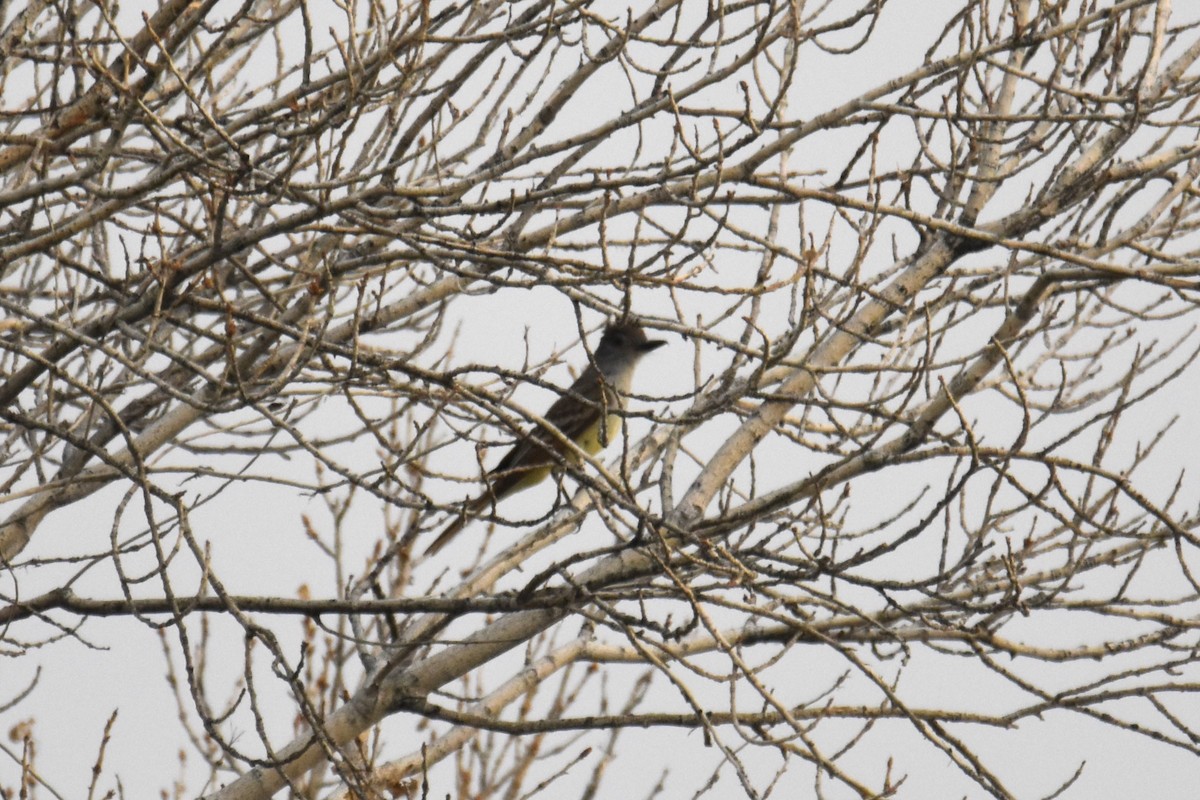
(572, 414)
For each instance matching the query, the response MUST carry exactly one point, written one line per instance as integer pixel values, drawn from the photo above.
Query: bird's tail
(466, 515)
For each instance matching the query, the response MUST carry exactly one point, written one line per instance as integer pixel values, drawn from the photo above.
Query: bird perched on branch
(586, 414)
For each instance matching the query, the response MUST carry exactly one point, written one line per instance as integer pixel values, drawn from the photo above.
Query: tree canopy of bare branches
(902, 501)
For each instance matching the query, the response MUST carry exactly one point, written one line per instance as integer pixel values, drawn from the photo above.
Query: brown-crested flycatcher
(586, 414)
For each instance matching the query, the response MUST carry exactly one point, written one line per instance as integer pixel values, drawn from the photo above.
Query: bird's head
(627, 337)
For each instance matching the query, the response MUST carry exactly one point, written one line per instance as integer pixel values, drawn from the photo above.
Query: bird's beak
(650, 344)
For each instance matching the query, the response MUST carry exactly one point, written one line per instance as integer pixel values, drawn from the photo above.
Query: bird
(586, 414)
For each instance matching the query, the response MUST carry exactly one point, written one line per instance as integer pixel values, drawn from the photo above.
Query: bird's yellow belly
(591, 441)
(597, 437)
